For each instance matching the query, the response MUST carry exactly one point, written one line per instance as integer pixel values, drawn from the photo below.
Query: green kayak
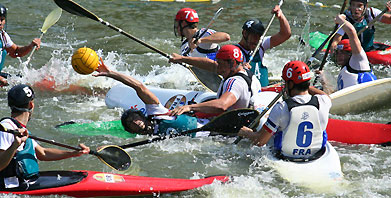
(113, 128)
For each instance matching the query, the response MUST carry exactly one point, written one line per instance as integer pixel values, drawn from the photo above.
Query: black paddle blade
(76, 9)
(114, 157)
(208, 79)
(229, 123)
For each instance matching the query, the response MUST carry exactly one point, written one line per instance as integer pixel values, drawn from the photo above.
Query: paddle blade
(230, 122)
(209, 79)
(51, 19)
(76, 9)
(114, 157)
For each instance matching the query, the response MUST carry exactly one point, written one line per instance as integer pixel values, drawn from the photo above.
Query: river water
(366, 169)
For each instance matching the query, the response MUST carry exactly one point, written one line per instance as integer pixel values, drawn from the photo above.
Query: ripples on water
(366, 167)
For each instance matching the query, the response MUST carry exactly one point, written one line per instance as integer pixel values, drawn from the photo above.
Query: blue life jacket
(257, 68)
(24, 164)
(180, 124)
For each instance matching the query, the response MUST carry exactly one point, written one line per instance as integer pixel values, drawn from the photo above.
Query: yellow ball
(85, 60)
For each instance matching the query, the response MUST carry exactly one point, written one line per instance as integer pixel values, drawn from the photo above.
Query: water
(365, 167)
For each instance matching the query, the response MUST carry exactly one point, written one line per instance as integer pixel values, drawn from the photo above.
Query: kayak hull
(99, 184)
(322, 174)
(361, 97)
(353, 132)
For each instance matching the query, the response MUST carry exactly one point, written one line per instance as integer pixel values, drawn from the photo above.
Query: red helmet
(344, 45)
(296, 71)
(230, 52)
(187, 14)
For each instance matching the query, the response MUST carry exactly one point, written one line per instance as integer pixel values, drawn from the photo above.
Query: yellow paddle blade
(51, 19)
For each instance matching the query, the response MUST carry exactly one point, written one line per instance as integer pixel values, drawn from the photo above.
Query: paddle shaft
(160, 138)
(329, 45)
(17, 133)
(373, 21)
(263, 35)
(32, 51)
(206, 29)
(329, 38)
(264, 111)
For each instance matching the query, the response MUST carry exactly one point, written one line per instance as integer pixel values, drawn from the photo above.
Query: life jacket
(257, 67)
(303, 138)
(353, 77)
(3, 52)
(367, 37)
(181, 123)
(249, 80)
(24, 164)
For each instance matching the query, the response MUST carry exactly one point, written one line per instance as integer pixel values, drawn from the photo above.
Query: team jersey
(6, 139)
(6, 42)
(238, 86)
(207, 50)
(257, 66)
(358, 71)
(309, 126)
(156, 110)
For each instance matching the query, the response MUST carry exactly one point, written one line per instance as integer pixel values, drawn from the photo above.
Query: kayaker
(252, 30)
(351, 56)
(7, 46)
(186, 27)
(237, 88)
(359, 14)
(295, 128)
(155, 120)
(18, 155)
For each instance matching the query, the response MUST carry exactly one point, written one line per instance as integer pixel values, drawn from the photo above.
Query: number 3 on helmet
(296, 71)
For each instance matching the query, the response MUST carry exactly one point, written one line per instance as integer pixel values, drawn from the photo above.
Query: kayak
(122, 96)
(382, 57)
(100, 184)
(322, 174)
(113, 128)
(354, 132)
(361, 97)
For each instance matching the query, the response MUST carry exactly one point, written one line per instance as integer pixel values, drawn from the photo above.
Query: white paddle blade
(51, 19)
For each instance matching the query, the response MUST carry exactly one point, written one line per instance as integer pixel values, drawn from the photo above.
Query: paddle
(227, 124)
(208, 79)
(112, 155)
(329, 46)
(50, 20)
(263, 36)
(255, 121)
(329, 38)
(197, 37)
(373, 21)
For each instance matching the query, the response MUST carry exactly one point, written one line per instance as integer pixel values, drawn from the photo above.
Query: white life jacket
(303, 137)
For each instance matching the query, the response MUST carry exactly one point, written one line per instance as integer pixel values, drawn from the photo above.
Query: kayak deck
(98, 184)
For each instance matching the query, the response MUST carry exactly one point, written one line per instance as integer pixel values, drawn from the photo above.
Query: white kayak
(361, 97)
(122, 96)
(322, 175)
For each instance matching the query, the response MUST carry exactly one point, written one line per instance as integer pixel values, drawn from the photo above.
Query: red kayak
(380, 56)
(353, 132)
(99, 184)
